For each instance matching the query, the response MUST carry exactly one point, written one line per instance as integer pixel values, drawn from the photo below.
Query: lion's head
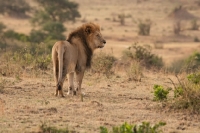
(90, 37)
(94, 36)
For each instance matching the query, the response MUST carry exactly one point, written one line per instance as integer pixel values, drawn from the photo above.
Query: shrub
(193, 61)
(178, 91)
(128, 54)
(145, 127)
(194, 25)
(158, 44)
(44, 128)
(14, 35)
(102, 63)
(177, 28)
(122, 18)
(2, 84)
(194, 78)
(2, 27)
(143, 55)
(42, 62)
(196, 39)
(160, 93)
(177, 66)
(187, 94)
(189, 64)
(36, 57)
(144, 27)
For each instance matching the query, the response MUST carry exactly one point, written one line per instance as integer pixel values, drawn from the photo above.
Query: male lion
(74, 56)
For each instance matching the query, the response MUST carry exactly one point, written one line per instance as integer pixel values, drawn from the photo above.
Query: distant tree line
(49, 17)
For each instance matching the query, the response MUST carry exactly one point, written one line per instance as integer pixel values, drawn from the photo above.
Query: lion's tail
(60, 66)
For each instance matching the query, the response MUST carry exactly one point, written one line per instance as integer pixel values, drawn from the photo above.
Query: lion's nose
(104, 41)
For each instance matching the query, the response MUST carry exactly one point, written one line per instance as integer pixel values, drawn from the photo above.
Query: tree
(50, 17)
(16, 8)
(50, 30)
(54, 30)
(57, 11)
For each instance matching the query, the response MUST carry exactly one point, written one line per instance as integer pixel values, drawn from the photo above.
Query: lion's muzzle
(104, 42)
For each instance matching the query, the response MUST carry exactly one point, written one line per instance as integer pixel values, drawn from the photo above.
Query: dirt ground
(27, 102)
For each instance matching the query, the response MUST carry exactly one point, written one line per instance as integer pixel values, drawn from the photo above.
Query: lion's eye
(97, 35)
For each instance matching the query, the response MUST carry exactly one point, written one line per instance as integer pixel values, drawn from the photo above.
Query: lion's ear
(88, 29)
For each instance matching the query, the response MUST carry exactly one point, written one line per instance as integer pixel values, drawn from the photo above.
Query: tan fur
(74, 56)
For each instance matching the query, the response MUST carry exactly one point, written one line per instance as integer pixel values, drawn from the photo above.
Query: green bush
(194, 78)
(42, 62)
(14, 35)
(160, 93)
(143, 55)
(178, 91)
(193, 61)
(187, 93)
(35, 56)
(102, 63)
(37, 36)
(145, 127)
(44, 128)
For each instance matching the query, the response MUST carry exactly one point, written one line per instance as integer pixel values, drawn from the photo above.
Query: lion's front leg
(79, 78)
(71, 84)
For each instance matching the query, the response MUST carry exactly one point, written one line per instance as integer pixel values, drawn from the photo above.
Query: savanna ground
(27, 101)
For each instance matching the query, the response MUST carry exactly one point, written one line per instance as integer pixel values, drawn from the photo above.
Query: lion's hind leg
(60, 84)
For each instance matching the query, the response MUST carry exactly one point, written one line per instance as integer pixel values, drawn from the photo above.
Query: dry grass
(134, 71)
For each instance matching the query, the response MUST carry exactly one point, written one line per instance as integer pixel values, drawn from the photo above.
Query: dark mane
(80, 33)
